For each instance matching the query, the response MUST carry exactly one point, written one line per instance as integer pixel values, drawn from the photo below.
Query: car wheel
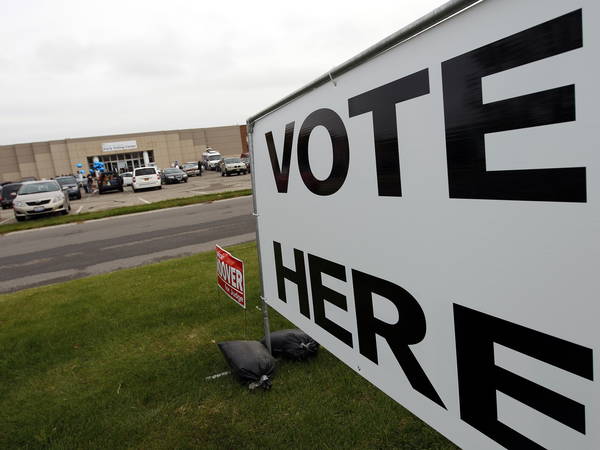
(19, 218)
(185, 181)
(160, 187)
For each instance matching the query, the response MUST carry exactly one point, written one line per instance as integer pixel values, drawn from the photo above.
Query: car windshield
(127, 174)
(172, 170)
(66, 180)
(189, 166)
(214, 157)
(232, 160)
(36, 188)
(146, 171)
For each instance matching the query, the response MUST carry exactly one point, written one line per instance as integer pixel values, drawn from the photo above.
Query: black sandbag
(250, 362)
(292, 344)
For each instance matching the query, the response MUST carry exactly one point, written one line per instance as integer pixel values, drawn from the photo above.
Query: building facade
(121, 152)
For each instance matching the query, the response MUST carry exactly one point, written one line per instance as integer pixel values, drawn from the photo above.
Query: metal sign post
(263, 304)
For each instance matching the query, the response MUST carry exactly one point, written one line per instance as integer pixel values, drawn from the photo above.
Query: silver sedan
(36, 198)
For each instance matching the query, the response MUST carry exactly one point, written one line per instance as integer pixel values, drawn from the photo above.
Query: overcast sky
(76, 68)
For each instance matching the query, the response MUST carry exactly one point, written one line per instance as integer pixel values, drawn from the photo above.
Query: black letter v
(282, 174)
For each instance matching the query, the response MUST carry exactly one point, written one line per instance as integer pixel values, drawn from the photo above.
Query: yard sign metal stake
(263, 303)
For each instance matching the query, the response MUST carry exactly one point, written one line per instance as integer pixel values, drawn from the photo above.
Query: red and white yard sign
(230, 276)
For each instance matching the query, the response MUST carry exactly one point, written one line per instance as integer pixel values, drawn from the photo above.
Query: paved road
(55, 254)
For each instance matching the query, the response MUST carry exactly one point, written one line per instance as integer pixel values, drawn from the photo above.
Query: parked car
(191, 169)
(146, 178)
(232, 165)
(246, 160)
(36, 198)
(158, 170)
(210, 159)
(127, 178)
(71, 184)
(109, 181)
(173, 175)
(8, 192)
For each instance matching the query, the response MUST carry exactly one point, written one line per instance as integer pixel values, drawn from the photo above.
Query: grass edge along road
(119, 361)
(120, 211)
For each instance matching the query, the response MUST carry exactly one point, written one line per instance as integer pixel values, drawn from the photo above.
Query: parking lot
(208, 183)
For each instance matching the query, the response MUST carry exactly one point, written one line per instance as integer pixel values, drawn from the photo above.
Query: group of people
(86, 182)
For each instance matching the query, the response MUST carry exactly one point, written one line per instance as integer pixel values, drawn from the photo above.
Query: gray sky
(75, 68)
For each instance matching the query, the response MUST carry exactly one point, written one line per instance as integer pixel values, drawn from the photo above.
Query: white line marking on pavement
(4, 221)
(145, 201)
(187, 250)
(138, 242)
(79, 210)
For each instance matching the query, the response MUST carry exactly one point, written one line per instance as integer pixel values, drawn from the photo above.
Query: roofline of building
(118, 136)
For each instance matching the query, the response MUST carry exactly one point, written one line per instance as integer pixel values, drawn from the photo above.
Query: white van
(145, 178)
(211, 159)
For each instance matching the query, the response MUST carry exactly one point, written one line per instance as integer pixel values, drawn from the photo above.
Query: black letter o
(341, 152)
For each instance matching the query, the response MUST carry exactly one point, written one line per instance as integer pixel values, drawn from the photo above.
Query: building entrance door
(122, 162)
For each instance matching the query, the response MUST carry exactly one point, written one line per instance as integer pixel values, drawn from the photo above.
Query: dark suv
(7, 193)
(109, 181)
(69, 182)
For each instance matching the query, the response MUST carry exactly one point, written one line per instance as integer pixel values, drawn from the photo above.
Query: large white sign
(117, 146)
(433, 219)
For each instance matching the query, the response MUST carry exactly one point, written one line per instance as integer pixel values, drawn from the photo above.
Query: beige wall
(52, 158)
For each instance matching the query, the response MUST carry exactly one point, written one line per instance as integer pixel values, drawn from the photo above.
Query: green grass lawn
(58, 220)
(120, 360)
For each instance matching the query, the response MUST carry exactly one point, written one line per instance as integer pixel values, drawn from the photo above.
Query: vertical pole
(263, 303)
(266, 325)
